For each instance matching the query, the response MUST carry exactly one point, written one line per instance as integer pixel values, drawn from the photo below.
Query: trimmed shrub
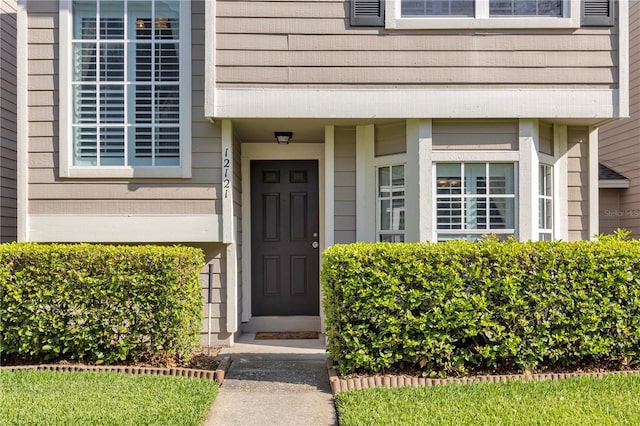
(459, 306)
(99, 303)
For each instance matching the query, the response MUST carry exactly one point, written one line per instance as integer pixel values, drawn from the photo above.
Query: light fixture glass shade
(283, 137)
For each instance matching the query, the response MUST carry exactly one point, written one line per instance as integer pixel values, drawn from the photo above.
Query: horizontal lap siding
(214, 255)
(345, 185)
(311, 43)
(609, 201)
(578, 178)
(48, 194)
(620, 141)
(8, 130)
(474, 135)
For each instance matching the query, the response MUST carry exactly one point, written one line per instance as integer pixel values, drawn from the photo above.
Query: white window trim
(389, 161)
(66, 167)
(394, 20)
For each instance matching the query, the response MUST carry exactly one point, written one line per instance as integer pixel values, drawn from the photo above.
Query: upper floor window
(468, 8)
(525, 8)
(126, 84)
(483, 14)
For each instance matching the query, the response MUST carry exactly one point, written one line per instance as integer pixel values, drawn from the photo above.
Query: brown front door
(284, 238)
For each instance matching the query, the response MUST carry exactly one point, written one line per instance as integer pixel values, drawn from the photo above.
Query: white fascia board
(125, 228)
(414, 103)
(614, 184)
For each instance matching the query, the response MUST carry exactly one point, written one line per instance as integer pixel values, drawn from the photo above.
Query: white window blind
(126, 83)
(473, 199)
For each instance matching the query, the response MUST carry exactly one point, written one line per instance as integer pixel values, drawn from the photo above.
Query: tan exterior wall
(214, 255)
(578, 181)
(619, 146)
(390, 138)
(8, 131)
(270, 42)
(609, 210)
(49, 194)
(473, 135)
(345, 185)
(545, 138)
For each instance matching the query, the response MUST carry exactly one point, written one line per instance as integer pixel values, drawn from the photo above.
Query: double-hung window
(475, 199)
(471, 8)
(545, 203)
(483, 14)
(128, 94)
(391, 203)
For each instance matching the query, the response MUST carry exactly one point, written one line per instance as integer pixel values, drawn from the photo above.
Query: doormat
(286, 335)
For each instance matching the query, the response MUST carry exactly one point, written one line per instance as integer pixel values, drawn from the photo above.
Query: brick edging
(214, 375)
(339, 384)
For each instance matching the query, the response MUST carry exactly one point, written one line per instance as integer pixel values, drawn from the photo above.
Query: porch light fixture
(283, 137)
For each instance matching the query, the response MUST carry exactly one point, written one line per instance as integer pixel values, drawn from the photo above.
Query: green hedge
(98, 303)
(459, 306)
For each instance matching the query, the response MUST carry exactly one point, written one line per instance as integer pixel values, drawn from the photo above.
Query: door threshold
(284, 323)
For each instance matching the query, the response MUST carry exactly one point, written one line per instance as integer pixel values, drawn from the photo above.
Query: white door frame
(272, 151)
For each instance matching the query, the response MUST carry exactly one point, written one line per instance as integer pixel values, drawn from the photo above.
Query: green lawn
(94, 398)
(576, 401)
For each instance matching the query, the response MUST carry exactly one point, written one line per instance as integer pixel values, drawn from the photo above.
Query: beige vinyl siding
(609, 210)
(578, 181)
(8, 131)
(262, 43)
(214, 255)
(48, 194)
(390, 139)
(345, 185)
(619, 142)
(545, 138)
(474, 135)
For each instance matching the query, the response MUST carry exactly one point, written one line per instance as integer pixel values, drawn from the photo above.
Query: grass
(576, 401)
(98, 398)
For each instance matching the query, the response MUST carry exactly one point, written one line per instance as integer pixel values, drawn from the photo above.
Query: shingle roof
(605, 173)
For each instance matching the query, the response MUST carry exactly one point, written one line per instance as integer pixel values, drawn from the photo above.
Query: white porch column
(560, 184)
(528, 180)
(594, 227)
(229, 227)
(419, 181)
(365, 184)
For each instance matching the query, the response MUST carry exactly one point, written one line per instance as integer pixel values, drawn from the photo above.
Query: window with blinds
(126, 83)
(474, 199)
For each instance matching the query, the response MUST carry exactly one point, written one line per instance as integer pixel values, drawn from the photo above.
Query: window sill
(125, 172)
(510, 22)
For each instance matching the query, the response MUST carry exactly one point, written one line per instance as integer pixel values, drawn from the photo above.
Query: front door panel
(284, 238)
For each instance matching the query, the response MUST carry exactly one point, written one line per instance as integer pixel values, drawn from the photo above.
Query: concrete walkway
(274, 382)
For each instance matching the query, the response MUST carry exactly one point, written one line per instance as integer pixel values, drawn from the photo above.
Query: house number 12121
(226, 171)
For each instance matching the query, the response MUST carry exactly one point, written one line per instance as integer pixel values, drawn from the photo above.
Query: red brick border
(215, 375)
(339, 384)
